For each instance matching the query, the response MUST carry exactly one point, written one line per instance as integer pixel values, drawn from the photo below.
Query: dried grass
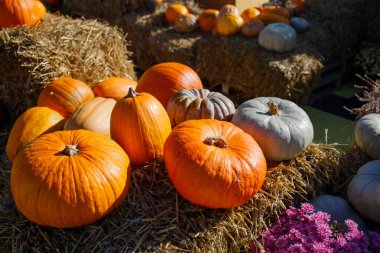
(154, 218)
(59, 46)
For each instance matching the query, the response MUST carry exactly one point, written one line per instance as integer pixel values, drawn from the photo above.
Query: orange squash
(140, 124)
(207, 20)
(277, 10)
(214, 163)
(70, 178)
(65, 95)
(33, 123)
(20, 12)
(114, 87)
(174, 11)
(269, 18)
(249, 14)
(164, 79)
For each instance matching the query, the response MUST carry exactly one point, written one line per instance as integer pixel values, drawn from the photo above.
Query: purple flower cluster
(303, 231)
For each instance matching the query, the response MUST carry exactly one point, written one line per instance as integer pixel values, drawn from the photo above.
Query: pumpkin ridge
(137, 106)
(157, 127)
(29, 12)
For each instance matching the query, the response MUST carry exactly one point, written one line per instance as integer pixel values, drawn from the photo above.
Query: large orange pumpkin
(20, 12)
(140, 124)
(114, 87)
(214, 163)
(70, 178)
(65, 95)
(207, 20)
(164, 79)
(31, 124)
(174, 11)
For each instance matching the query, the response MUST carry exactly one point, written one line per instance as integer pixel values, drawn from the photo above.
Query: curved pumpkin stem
(131, 93)
(273, 108)
(217, 141)
(70, 150)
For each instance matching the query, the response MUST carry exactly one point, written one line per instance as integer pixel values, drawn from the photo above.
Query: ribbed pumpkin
(198, 104)
(65, 95)
(230, 24)
(114, 87)
(252, 28)
(278, 37)
(94, 115)
(207, 20)
(269, 18)
(32, 123)
(213, 163)
(277, 10)
(140, 124)
(20, 12)
(186, 24)
(164, 79)
(367, 135)
(227, 9)
(174, 11)
(70, 178)
(249, 14)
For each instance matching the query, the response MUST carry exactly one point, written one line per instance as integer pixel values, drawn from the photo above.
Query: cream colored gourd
(367, 135)
(198, 104)
(364, 191)
(278, 37)
(281, 128)
(94, 115)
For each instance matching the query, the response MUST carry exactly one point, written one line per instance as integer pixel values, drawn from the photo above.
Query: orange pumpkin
(114, 87)
(174, 11)
(252, 28)
(249, 14)
(65, 95)
(269, 18)
(20, 12)
(164, 79)
(214, 163)
(277, 10)
(230, 24)
(70, 178)
(207, 20)
(140, 124)
(32, 123)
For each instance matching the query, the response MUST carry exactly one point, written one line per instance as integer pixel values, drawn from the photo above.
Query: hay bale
(59, 46)
(343, 18)
(155, 219)
(236, 63)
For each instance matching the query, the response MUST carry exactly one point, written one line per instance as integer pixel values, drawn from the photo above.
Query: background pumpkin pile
(275, 24)
(73, 152)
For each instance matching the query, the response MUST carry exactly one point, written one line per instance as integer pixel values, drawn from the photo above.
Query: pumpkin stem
(131, 93)
(273, 108)
(217, 141)
(70, 150)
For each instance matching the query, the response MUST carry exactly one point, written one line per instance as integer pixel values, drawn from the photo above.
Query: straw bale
(343, 18)
(59, 46)
(155, 219)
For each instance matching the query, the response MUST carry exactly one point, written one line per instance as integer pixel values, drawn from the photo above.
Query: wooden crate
(240, 4)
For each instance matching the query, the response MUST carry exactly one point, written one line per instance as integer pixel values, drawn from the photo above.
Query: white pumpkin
(281, 128)
(367, 135)
(338, 208)
(364, 191)
(94, 115)
(278, 37)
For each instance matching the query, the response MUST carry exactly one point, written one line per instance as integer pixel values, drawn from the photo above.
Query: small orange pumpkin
(114, 87)
(20, 12)
(249, 14)
(269, 18)
(140, 124)
(65, 95)
(230, 24)
(33, 123)
(253, 28)
(277, 10)
(164, 79)
(207, 20)
(70, 178)
(214, 163)
(174, 11)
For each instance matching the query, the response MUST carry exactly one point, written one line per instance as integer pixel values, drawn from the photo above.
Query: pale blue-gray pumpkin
(281, 128)
(367, 135)
(363, 192)
(278, 37)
